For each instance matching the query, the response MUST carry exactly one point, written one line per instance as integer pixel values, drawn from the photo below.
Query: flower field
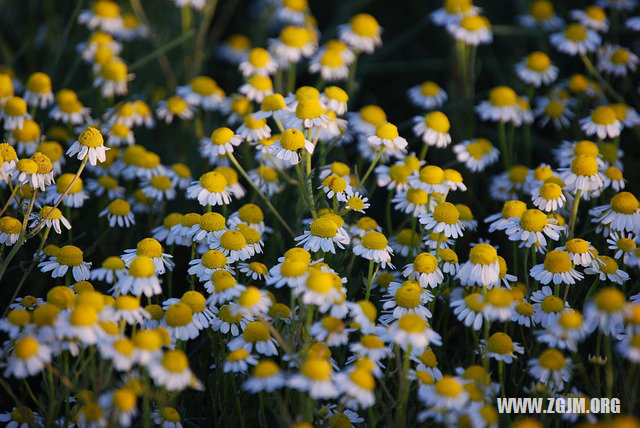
(292, 213)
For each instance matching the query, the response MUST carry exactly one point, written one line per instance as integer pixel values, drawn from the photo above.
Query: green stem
(233, 160)
(291, 78)
(351, 80)
(369, 280)
(574, 213)
(403, 394)
(502, 139)
(601, 80)
(371, 167)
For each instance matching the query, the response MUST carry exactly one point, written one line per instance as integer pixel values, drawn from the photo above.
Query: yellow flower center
(194, 300)
(613, 173)
(27, 165)
(316, 369)
(256, 331)
(324, 227)
(502, 96)
(373, 115)
(148, 340)
(127, 303)
(142, 267)
(412, 323)
(407, 237)
(177, 105)
(335, 92)
(374, 241)
(320, 282)
(603, 115)
(620, 57)
(114, 70)
(10, 225)
(408, 295)
(233, 240)
(170, 414)
(437, 121)
(364, 25)
(483, 254)
(552, 359)
(124, 346)
(295, 37)
(552, 304)
(533, 220)
(432, 174)
(575, 33)
(557, 261)
(595, 13)
(226, 315)
(550, 191)
(387, 131)
(363, 378)
(474, 23)
(222, 280)
(447, 213)
(624, 203)
(626, 244)
(175, 361)
(249, 297)
(265, 369)
(119, 207)
(213, 181)
(399, 173)
(16, 107)
(83, 315)
(500, 343)
(429, 89)
(26, 347)
(500, 297)
(106, 9)
(570, 319)
(608, 265)
(178, 315)
(332, 59)
(449, 386)
(524, 308)
(69, 255)
(541, 10)
(19, 317)
(538, 61)
(155, 311)
(356, 203)
(292, 139)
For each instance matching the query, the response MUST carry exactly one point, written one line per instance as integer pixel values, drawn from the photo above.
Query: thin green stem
(574, 213)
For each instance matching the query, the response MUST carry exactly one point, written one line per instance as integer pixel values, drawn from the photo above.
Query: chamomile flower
(316, 377)
(223, 287)
(27, 138)
(111, 268)
(476, 154)
(552, 368)
(266, 376)
(445, 219)
(335, 99)
(617, 60)
(394, 177)
(553, 110)
(127, 308)
(412, 332)
(621, 214)
(406, 242)
(629, 347)
(357, 387)
(473, 30)
(557, 267)
(501, 347)
(180, 175)
(336, 187)
(374, 246)
(433, 128)
(606, 311)
(427, 95)
(575, 39)
(537, 70)
(602, 122)
(447, 393)
(362, 34)
(21, 417)
(67, 258)
(330, 330)
(104, 15)
(252, 301)
(210, 189)
(28, 358)
(119, 213)
(253, 128)
(607, 270)
(291, 271)
(623, 244)
(483, 267)
(293, 44)
(613, 178)
(173, 107)
(112, 78)
(566, 331)
(501, 106)
(140, 278)
(583, 175)
(324, 234)
(387, 140)
(256, 336)
(204, 92)
(548, 197)
(547, 307)
(541, 14)
(234, 245)
(405, 298)
(318, 290)
(69, 109)
(89, 144)
(179, 317)
(172, 371)
(10, 229)
(226, 321)
(253, 270)
(331, 66)
(591, 17)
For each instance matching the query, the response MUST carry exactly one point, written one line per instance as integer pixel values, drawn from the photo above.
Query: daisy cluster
(295, 259)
